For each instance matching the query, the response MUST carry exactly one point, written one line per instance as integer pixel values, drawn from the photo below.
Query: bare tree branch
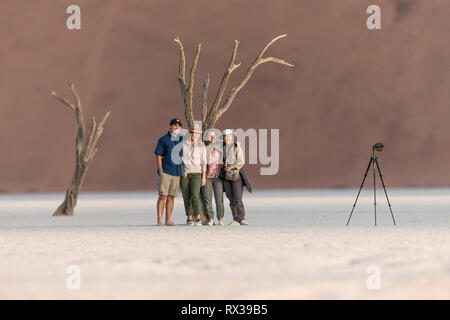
(80, 122)
(99, 130)
(67, 103)
(270, 43)
(89, 140)
(235, 90)
(205, 100)
(231, 67)
(181, 68)
(187, 92)
(189, 113)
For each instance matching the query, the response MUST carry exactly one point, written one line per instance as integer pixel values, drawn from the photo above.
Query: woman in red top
(213, 180)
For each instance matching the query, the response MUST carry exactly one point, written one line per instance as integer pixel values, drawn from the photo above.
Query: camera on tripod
(373, 162)
(378, 146)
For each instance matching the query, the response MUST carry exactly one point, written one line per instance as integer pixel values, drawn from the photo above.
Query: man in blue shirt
(169, 172)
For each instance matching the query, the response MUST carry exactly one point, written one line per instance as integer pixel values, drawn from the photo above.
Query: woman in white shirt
(194, 175)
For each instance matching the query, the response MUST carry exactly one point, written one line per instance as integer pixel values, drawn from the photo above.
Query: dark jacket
(245, 181)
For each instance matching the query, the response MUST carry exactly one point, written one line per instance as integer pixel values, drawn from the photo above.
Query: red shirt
(214, 164)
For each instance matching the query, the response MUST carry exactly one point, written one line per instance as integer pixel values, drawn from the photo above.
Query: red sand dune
(351, 87)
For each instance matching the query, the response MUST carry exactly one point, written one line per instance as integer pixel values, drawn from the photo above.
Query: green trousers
(190, 188)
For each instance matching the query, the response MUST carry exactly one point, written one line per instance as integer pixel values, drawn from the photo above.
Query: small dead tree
(217, 109)
(86, 148)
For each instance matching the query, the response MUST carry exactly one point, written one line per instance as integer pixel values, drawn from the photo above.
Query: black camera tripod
(373, 162)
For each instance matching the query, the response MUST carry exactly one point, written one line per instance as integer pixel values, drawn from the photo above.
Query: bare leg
(160, 208)
(169, 208)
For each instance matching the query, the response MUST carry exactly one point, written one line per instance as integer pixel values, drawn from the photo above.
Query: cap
(227, 131)
(175, 121)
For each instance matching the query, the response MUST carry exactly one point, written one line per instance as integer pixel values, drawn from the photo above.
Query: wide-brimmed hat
(196, 129)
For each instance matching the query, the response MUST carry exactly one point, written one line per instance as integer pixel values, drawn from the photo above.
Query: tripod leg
(362, 184)
(384, 187)
(374, 191)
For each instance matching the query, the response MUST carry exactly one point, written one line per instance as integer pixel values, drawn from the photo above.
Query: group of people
(202, 168)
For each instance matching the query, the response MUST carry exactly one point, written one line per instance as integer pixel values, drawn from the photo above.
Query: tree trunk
(66, 208)
(69, 203)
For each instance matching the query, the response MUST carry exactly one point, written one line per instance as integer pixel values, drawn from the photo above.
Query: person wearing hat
(233, 181)
(194, 175)
(213, 179)
(168, 172)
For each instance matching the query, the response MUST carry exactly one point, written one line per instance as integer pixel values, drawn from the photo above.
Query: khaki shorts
(168, 185)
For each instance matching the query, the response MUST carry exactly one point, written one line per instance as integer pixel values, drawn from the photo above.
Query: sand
(296, 246)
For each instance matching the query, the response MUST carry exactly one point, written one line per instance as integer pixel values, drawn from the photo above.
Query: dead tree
(85, 150)
(212, 114)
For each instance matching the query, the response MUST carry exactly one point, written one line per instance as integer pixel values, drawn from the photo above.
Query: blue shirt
(164, 148)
